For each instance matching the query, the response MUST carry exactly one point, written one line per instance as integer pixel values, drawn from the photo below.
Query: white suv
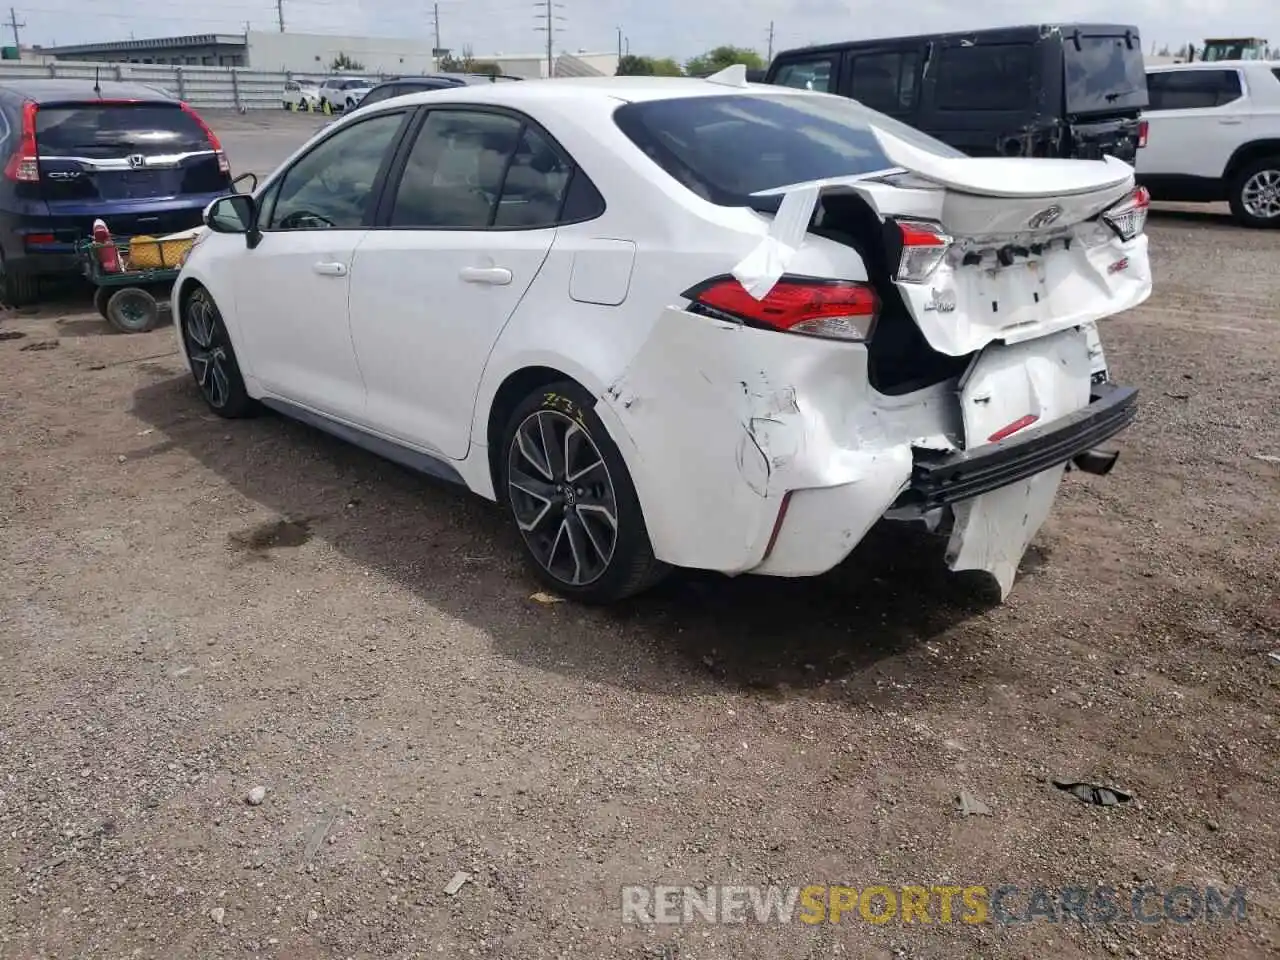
(345, 93)
(1214, 135)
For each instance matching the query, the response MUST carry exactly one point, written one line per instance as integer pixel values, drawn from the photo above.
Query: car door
(291, 290)
(1195, 120)
(462, 234)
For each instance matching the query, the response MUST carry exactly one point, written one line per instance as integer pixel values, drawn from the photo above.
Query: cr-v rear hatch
(117, 152)
(1105, 88)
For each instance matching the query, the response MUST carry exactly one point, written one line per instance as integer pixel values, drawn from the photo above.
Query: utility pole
(619, 43)
(13, 22)
(437, 15)
(280, 14)
(549, 8)
(770, 57)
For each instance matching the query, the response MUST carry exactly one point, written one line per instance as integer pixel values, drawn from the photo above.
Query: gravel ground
(192, 609)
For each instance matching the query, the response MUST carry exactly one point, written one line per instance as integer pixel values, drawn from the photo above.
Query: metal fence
(229, 88)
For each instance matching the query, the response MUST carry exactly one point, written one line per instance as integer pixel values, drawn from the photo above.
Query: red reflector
(41, 238)
(836, 309)
(1142, 133)
(1008, 431)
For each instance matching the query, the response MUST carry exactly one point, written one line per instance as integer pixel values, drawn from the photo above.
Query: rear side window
(1103, 73)
(885, 81)
(100, 131)
(818, 74)
(1191, 89)
(382, 93)
(724, 148)
(991, 76)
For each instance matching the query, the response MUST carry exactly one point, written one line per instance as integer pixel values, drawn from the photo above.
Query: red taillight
(834, 309)
(1010, 429)
(223, 164)
(1142, 133)
(924, 247)
(24, 165)
(1128, 218)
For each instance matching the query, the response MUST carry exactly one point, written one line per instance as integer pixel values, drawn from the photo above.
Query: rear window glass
(107, 130)
(724, 148)
(1105, 73)
(988, 76)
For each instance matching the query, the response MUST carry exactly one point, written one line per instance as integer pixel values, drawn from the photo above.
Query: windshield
(1104, 74)
(101, 131)
(725, 148)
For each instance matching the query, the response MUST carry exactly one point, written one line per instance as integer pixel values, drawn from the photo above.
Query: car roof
(1030, 31)
(1214, 65)
(49, 91)
(618, 89)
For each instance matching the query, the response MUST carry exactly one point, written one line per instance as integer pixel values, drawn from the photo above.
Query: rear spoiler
(759, 270)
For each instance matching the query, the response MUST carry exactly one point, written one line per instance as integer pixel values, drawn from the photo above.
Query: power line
(549, 15)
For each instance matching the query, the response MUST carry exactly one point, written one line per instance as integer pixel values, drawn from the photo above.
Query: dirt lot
(191, 609)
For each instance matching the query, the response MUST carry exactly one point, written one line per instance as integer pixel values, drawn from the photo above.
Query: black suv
(1055, 90)
(73, 151)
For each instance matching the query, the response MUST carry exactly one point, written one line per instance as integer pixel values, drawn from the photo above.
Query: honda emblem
(1045, 217)
(137, 160)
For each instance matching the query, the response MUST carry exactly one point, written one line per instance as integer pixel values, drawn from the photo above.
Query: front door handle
(498, 276)
(1230, 121)
(326, 269)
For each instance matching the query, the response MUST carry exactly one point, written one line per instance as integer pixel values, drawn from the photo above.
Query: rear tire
(18, 289)
(212, 359)
(100, 298)
(1255, 194)
(565, 485)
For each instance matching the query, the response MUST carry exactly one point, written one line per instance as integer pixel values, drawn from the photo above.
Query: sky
(678, 28)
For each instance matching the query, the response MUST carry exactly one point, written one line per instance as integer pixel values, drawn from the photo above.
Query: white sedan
(681, 323)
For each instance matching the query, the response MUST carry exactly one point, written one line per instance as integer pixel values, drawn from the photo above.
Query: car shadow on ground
(1203, 217)
(457, 552)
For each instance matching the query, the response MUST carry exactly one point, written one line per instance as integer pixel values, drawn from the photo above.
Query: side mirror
(237, 213)
(252, 177)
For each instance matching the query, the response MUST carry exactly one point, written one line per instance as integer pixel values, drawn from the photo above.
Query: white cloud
(679, 28)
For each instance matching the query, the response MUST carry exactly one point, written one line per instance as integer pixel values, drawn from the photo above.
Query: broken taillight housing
(24, 164)
(1143, 132)
(1128, 218)
(924, 247)
(832, 309)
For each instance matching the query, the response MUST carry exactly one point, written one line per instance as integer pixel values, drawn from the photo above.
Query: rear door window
(885, 81)
(1192, 89)
(1103, 73)
(816, 74)
(724, 148)
(988, 76)
(108, 131)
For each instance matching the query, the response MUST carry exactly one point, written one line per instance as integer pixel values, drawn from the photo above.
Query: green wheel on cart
(100, 298)
(133, 310)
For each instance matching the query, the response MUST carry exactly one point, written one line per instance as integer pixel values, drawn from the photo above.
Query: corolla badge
(1045, 217)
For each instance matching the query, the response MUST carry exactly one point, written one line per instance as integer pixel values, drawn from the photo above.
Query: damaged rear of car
(909, 334)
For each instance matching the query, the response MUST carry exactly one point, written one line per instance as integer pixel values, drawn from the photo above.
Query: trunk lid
(106, 151)
(1027, 255)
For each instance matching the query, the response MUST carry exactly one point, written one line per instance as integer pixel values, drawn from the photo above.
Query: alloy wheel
(562, 497)
(207, 349)
(1260, 195)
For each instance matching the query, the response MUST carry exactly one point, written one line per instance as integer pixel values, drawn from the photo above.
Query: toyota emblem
(1045, 217)
(137, 160)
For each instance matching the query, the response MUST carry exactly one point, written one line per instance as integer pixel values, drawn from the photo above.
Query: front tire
(569, 492)
(212, 359)
(1255, 194)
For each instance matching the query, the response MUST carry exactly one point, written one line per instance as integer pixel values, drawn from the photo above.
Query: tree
(343, 62)
(713, 61)
(667, 67)
(633, 66)
(1164, 51)
(467, 63)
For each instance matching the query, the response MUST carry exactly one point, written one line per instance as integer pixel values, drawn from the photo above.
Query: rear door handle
(331, 269)
(498, 276)
(1230, 121)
